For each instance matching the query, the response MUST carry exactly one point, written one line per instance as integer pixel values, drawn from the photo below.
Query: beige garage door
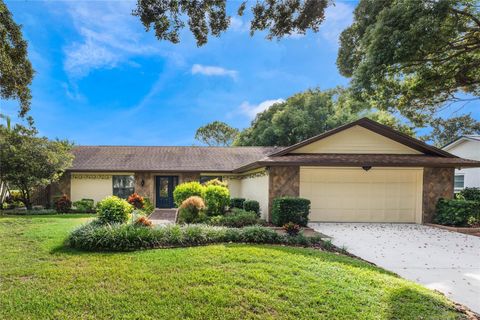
(356, 195)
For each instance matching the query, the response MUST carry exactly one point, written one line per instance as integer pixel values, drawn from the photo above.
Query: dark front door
(164, 191)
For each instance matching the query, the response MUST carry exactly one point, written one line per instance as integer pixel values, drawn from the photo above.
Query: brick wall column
(147, 190)
(283, 181)
(437, 183)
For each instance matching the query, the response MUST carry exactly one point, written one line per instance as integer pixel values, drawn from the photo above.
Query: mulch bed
(465, 230)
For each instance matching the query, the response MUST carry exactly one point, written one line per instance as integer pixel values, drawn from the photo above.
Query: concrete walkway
(438, 259)
(163, 216)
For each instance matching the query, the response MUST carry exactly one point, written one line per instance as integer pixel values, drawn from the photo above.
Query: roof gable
(393, 141)
(356, 139)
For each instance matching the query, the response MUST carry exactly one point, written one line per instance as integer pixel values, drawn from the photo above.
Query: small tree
(29, 162)
(216, 133)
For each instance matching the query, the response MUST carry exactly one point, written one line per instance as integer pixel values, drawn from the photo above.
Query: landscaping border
(464, 230)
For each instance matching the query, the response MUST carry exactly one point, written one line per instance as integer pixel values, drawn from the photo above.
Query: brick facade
(283, 181)
(437, 183)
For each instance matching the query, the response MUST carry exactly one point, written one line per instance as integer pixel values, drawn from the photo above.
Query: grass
(40, 279)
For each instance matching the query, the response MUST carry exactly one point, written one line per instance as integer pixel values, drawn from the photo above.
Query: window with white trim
(459, 181)
(123, 186)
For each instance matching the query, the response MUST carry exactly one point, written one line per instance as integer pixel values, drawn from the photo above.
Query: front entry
(164, 191)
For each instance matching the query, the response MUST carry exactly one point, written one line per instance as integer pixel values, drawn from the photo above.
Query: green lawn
(39, 279)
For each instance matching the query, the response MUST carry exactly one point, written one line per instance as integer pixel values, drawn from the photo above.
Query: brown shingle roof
(123, 158)
(359, 160)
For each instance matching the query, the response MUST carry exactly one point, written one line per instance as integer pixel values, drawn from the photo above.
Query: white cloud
(238, 25)
(337, 17)
(213, 71)
(251, 110)
(109, 35)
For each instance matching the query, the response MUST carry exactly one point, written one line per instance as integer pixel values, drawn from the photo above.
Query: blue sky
(102, 80)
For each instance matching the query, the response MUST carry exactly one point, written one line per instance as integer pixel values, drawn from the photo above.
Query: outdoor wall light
(366, 168)
(142, 183)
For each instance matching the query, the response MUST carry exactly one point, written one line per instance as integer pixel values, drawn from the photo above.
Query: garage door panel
(356, 195)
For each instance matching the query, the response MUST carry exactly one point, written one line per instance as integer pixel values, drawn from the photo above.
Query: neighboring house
(467, 147)
(359, 172)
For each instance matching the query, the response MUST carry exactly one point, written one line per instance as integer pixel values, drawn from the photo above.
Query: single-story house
(360, 172)
(467, 147)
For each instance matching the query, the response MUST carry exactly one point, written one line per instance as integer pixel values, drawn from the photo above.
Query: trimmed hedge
(127, 237)
(186, 190)
(455, 212)
(216, 199)
(252, 205)
(472, 194)
(237, 203)
(238, 218)
(84, 205)
(290, 209)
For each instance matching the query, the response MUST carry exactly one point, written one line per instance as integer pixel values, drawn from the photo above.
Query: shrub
(291, 228)
(136, 200)
(237, 203)
(258, 234)
(252, 205)
(191, 210)
(143, 222)
(290, 209)
(216, 199)
(238, 218)
(472, 194)
(187, 190)
(148, 207)
(474, 222)
(126, 237)
(113, 210)
(215, 182)
(454, 212)
(63, 204)
(84, 206)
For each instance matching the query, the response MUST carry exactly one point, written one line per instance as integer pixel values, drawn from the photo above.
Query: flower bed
(127, 237)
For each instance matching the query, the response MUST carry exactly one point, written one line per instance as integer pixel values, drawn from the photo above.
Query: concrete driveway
(438, 259)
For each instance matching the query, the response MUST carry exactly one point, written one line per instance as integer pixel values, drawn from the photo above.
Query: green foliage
(290, 209)
(238, 218)
(472, 194)
(113, 210)
(215, 182)
(33, 212)
(205, 18)
(291, 228)
(237, 203)
(217, 199)
(187, 190)
(413, 56)
(448, 130)
(456, 212)
(216, 133)
(192, 210)
(308, 114)
(84, 205)
(63, 204)
(148, 207)
(125, 237)
(30, 162)
(253, 206)
(16, 72)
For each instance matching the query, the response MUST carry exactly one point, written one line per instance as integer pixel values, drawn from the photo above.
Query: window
(459, 181)
(204, 179)
(123, 186)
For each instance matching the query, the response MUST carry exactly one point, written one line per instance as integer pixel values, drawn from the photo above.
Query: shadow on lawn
(328, 256)
(406, 303)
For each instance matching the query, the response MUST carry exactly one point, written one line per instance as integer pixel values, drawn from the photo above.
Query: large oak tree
(16, 72)
(415, 56)
(210, 18)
